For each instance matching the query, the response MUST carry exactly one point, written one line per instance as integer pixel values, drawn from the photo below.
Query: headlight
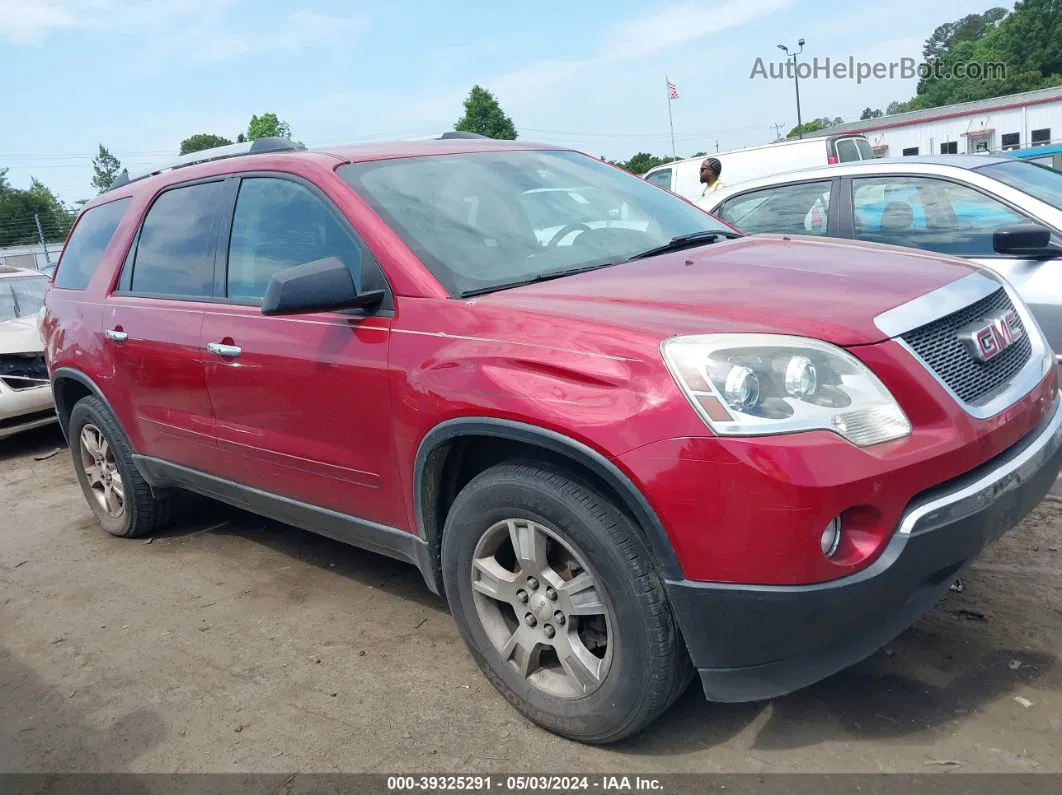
(757, 384)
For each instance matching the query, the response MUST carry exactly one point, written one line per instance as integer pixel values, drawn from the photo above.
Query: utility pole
(40, 236)
(796, 81)
(717, 144)
(672, 94)
(778, 127)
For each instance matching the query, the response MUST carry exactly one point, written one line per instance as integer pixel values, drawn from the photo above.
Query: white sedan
(1001, 213)
(25, 393)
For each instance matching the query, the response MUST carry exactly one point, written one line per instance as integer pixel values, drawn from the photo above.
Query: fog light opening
(831, 537)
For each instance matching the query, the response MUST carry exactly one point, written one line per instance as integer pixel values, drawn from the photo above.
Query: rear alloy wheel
(116, 492)
(101, 472)
(557, 598)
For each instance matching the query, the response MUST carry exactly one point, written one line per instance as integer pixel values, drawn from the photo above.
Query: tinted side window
(90, 239)
(930, 214)
(661, 178)
(847, 151)
(790, 209)
(175, 254)
(279, 224)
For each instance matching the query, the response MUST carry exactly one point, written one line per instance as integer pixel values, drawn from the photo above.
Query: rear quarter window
(90, 238)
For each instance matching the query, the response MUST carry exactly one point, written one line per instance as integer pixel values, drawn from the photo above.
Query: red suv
(627, 443)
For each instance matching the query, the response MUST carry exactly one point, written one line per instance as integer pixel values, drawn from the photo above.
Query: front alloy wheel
(557, 598)
(541, 608)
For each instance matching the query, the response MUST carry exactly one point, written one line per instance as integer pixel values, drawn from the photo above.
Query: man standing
(711, 168)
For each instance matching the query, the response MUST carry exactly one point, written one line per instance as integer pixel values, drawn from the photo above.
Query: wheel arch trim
(578, 453)
(63, 411)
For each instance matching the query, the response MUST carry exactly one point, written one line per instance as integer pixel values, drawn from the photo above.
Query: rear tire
(117, 494)
(563, 609)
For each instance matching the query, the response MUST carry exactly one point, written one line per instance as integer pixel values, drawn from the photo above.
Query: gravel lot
(232, 643)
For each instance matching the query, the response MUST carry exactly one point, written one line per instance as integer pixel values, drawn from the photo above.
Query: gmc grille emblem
(990, 336)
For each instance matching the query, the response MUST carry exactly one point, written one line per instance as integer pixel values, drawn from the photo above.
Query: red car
(627, 443)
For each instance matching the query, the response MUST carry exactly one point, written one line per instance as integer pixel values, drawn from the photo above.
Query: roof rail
(256, 147)
(460, 134)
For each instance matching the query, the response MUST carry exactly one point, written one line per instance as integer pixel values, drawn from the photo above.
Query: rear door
(153, 321)
(303, 402)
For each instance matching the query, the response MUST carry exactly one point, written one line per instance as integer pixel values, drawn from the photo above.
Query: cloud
(180, 26)
(298, 30)
(26, 23)
(674, 26)
(29, 22)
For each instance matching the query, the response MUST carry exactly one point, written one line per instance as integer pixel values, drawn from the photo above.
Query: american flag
(672, 90)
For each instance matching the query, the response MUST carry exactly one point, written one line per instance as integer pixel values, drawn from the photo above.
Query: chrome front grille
(939, 346)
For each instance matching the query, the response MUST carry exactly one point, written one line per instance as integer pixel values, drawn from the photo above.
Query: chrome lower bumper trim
(990, 486)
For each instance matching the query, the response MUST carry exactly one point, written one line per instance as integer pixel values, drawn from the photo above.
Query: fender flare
(69, 373)
(633, 500)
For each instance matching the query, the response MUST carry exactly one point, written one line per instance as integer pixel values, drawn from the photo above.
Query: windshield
(1038, 181)
(21, 296)
(494, 219)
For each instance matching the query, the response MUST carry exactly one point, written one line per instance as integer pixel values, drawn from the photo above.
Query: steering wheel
(563, 233)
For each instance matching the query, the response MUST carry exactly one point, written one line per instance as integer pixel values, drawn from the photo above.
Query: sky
(141, 75)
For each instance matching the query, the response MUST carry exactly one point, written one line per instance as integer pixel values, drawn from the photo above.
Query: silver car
(999, 212)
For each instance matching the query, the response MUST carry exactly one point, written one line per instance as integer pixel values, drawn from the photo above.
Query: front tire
(557, 599)
(117, 494)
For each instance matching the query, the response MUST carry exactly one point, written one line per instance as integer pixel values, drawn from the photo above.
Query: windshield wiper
(688, 241)
(542, 277)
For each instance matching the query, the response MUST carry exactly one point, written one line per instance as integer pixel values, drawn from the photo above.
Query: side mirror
(1027, 241)
(323, 285)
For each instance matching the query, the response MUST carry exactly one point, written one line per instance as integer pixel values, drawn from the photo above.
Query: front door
(303, 403)
(153, 324)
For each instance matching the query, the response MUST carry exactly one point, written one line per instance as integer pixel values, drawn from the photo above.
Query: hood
(22, 335)
(829, 290)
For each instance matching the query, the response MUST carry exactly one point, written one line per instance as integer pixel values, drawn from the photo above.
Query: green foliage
(970, 28)
(870, 113)
(484, 115)
(18, 208)
(105, 169)
(265, 126)
(642, 162)
(201, 141)
(815, 125)
(897, 107)
(1028, 41)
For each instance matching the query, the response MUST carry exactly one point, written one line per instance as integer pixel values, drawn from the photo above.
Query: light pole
(796, 80)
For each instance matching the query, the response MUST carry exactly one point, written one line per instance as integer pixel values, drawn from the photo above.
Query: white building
(29, 256)
(1033, 118)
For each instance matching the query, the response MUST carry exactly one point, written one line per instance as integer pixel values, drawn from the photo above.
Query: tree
(201, 141)
(1026, 43)
(970, 28)
(815, 125)
(870, 113)
(105, 169)
(896, 107)
(20, 210)
(642, 162)
(267, 126)
(484, 115)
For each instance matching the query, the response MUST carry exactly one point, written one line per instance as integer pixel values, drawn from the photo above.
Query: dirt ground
(232, 643)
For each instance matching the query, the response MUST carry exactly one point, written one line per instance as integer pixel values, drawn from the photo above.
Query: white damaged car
(25, 393)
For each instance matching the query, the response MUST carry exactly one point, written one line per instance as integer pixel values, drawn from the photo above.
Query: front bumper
(752, 642)
(25, 409)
